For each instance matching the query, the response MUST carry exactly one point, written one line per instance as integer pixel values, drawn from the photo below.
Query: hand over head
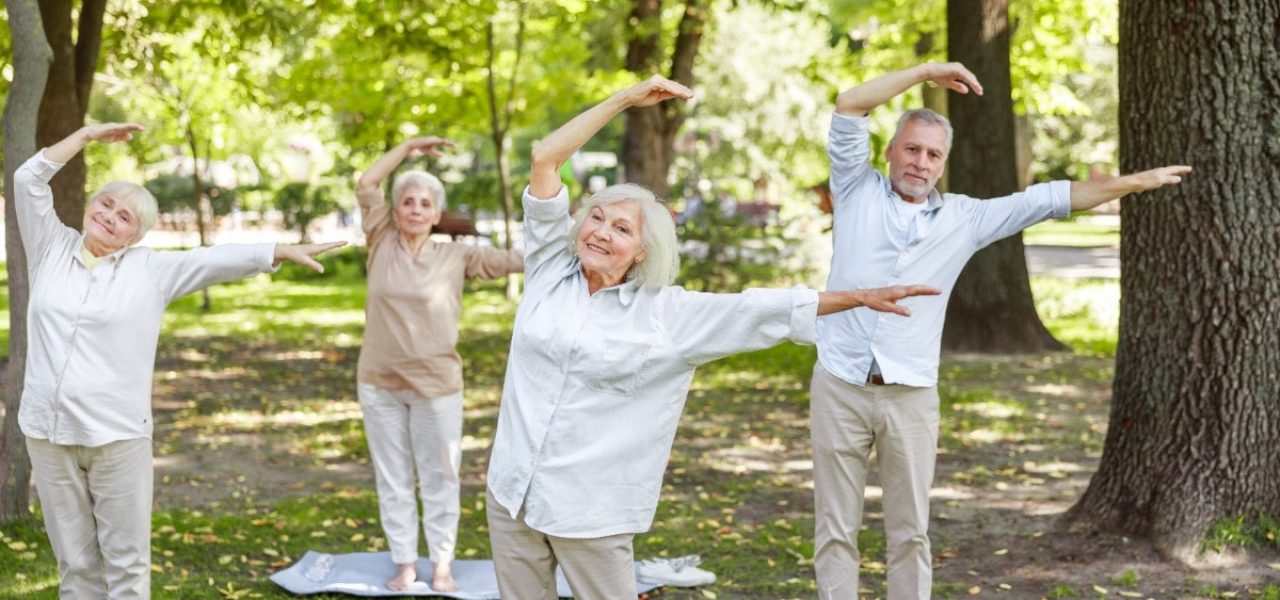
(111, 132)
(954, 76)
(304, 254)
(428, 145)
(886, 299)
(654, 90)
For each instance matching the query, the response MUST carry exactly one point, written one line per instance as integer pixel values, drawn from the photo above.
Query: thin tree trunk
(67, 92)
(1194, 433)
(205, 303)
(31, 59)
(991, 308)
(500, 122)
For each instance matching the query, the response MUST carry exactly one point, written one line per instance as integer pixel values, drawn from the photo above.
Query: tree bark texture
(651, 130)
(31, 60)
(1194, 431)
(991, 308)
(66, 93)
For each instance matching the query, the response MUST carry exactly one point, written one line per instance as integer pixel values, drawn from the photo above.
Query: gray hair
(419, 179)
(140, 201)
(657, 232)
(923, 115)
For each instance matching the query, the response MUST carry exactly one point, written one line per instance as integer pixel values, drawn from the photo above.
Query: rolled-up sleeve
(375, 214)
(37, 221)
(998, 218)
(705, 327)
(849, 148)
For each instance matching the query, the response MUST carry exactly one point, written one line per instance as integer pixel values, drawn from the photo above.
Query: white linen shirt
(595, 384)
(92, 334)
(877, 245)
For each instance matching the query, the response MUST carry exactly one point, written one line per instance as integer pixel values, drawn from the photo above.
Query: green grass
(1079, 232)
(273, 366)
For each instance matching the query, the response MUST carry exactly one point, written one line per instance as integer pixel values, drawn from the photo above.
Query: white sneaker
(678, 572)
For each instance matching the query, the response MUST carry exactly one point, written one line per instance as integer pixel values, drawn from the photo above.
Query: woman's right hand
(654, 90)
(429, 145)
(108, 133)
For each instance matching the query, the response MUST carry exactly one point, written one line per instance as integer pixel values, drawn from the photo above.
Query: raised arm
(553, 150)
(105, 133)
(1088, 194)
(878, 299)
(373, 177)
(859, 100)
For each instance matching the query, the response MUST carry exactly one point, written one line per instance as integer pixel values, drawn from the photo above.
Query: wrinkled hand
(304, 254)
(1157, 178)
(654, 90)
(955, 77)
(886, 299)
(107, 133)
(429, 145)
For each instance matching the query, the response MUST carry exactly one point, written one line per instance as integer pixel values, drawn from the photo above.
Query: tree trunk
(31, 60)
(651, 130)
(66, 94)
(201, 226)
(1194, 433)
(991, 308)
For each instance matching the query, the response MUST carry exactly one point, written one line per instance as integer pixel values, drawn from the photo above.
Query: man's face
(916, 159)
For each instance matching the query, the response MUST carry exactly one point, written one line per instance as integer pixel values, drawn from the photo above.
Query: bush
(302, 203)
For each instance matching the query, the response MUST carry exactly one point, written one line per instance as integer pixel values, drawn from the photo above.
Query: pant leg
(598, 568)
(841, 426)
(62, 483)
(121, 478)
(386, 427)
(522, 557)
(436, 426)
(907, 450)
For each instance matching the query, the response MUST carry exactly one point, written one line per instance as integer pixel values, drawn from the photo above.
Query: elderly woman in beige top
(410, 374)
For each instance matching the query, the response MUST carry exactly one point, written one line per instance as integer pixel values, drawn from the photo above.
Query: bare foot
(405, 576)
(442, 579)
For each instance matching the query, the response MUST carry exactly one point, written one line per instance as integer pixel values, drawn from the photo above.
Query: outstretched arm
(303, 254)
(1088, 194)
(385, 165)
(878, 299)
(859, 100)
(106, 133)
(553, 150)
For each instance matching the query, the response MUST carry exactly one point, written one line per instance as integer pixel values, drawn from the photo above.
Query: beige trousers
(97, 512)
(846, 422)
(408, 433)
(526, 559)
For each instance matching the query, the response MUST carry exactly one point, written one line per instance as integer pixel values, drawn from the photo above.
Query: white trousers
(407, 432)
(846, 422)
(97, 512)
(525, 559)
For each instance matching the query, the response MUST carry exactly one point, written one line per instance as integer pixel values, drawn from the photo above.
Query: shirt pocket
(618, 366)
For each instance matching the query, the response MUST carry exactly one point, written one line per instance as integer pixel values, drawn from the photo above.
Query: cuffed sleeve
(491, 263)
(375, 214)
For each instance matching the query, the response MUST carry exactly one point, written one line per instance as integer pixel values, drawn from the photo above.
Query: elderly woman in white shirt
(602, 355)
(95, 309)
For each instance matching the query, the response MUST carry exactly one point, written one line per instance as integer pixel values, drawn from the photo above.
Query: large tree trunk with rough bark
(66, 93)
(1194, 434)
(651, 130)
(991, 308)
(31, 60)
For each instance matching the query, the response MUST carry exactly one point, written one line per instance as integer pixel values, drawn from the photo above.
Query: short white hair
(923, 115)
(657, 232)
(419, 179)
(140, 201)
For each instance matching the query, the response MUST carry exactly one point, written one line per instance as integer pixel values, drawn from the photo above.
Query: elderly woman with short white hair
(409, 379)
(95, 310)
(602, 355)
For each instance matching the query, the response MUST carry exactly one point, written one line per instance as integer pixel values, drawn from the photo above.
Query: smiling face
(416, 211)
(110, 224)
(611, 241)
(916, 156)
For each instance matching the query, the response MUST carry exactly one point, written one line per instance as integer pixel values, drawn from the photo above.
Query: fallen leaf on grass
(1002, 552)
(1101, 590)
(1129, 594)
(1005, 586)
(1275, 566)
(975, 590)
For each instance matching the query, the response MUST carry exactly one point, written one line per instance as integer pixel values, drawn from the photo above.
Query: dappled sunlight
(247, 420)
(993, 409)
(1056, 390)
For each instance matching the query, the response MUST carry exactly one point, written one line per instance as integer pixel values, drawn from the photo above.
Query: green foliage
(341, 265)
(1244, 532)
(725, 253)
(1128, 578)
(1063, 591)
(301, 203)
(175, 193)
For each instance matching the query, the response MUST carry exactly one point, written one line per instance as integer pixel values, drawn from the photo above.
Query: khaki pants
(526, 559)
(846, 422)
(409, 433)
(97, 512)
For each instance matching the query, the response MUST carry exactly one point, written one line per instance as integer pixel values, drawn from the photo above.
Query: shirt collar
(626, 290)
(114, 256)
(932, 203)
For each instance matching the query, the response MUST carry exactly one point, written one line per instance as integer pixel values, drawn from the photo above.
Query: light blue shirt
(596, 383)
(878, 245)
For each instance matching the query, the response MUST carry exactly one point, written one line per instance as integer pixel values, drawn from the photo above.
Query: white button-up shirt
(878, 245)
(595, 384)
(92, 334)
